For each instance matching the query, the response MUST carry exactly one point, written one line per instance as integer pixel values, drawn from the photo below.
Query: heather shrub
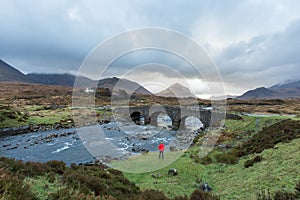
(201, 195)
(250, 163)
(229, 157)
(56, 166)
(282, 131)
(206, 160)
(153, 195)
(12, 187)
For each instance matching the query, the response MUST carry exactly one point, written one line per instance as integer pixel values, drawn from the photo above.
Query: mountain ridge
(283, 90)
(9, 73)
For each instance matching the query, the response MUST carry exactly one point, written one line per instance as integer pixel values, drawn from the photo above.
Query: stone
(172, 172)
(205, 187)
(173, 148)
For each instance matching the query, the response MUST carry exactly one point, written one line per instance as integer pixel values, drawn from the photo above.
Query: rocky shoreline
(32, 128)
(10, 131)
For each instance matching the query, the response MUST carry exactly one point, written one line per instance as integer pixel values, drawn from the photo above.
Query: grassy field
(32, 115)
(11, 116)
(279, 169)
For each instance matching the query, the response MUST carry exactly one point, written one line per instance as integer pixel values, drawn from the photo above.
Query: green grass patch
(41, 187)
(146, 162)
(278, 170)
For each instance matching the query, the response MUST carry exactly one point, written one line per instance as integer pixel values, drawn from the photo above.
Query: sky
(252, 43)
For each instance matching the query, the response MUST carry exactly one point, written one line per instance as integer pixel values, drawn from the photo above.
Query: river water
(67, 145)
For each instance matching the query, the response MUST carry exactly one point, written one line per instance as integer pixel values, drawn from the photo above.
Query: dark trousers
(161, 154)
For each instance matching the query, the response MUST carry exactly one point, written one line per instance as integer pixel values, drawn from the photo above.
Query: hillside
(60, 79)
(287, 90)
(10, 74)
(54, 180)
(122, 84)
(284, 90)
(176, 90)
(259, 93)
(277, 171)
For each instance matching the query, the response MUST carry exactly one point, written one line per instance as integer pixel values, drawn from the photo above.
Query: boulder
(205, 187)
(156, 175)
(172, 172)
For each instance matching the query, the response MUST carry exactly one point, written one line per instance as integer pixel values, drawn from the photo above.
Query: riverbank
(25, 119)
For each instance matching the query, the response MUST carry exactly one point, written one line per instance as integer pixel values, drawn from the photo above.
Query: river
(68, 146)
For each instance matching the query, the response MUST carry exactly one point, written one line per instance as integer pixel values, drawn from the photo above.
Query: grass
(278, 170)
(42, 187)
(146, 162)
(32, 115)
(41, 115)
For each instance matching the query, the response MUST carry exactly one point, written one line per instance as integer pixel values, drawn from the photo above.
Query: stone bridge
(177, 114)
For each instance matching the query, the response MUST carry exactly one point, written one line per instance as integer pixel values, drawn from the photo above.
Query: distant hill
(222, 97)
(69, 79)
(284, 90)
(60, 79)
(176, 90)
(259, 93)
(122, 84)
(11, 74)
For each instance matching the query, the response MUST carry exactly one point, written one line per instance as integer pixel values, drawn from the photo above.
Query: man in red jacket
(161, 148)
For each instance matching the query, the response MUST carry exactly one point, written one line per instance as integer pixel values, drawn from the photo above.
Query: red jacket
(161, 147)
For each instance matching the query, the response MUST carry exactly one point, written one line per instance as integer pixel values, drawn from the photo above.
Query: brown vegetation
(282, 131)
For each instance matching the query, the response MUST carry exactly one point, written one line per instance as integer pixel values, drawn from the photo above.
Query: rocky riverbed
(69, 145)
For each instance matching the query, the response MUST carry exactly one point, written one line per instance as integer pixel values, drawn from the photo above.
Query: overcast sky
(252, 42)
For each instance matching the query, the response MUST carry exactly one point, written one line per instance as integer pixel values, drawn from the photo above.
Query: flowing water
(68, 146)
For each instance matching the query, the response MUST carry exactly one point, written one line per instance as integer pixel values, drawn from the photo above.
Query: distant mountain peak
(176, 90)
(117, 84)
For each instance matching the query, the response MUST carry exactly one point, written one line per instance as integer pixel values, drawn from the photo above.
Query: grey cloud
(266, 55)
(256, 41)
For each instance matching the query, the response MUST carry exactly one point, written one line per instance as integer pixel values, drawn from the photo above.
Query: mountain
(284, 90)
(176, 90)
(119, 85)
(10, 74)
(69, 79)
(287, 84)
(259, 93)
(60, 79)
(289, 89)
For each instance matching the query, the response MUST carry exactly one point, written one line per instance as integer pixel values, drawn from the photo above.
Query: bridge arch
(155, 116)
(136, 117)
(190, 122)
(137, 113)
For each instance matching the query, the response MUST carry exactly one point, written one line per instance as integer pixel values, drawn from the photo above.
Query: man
(161, 148)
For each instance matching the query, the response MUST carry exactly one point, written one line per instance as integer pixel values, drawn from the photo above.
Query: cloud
(249, 40)
(266, 59)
